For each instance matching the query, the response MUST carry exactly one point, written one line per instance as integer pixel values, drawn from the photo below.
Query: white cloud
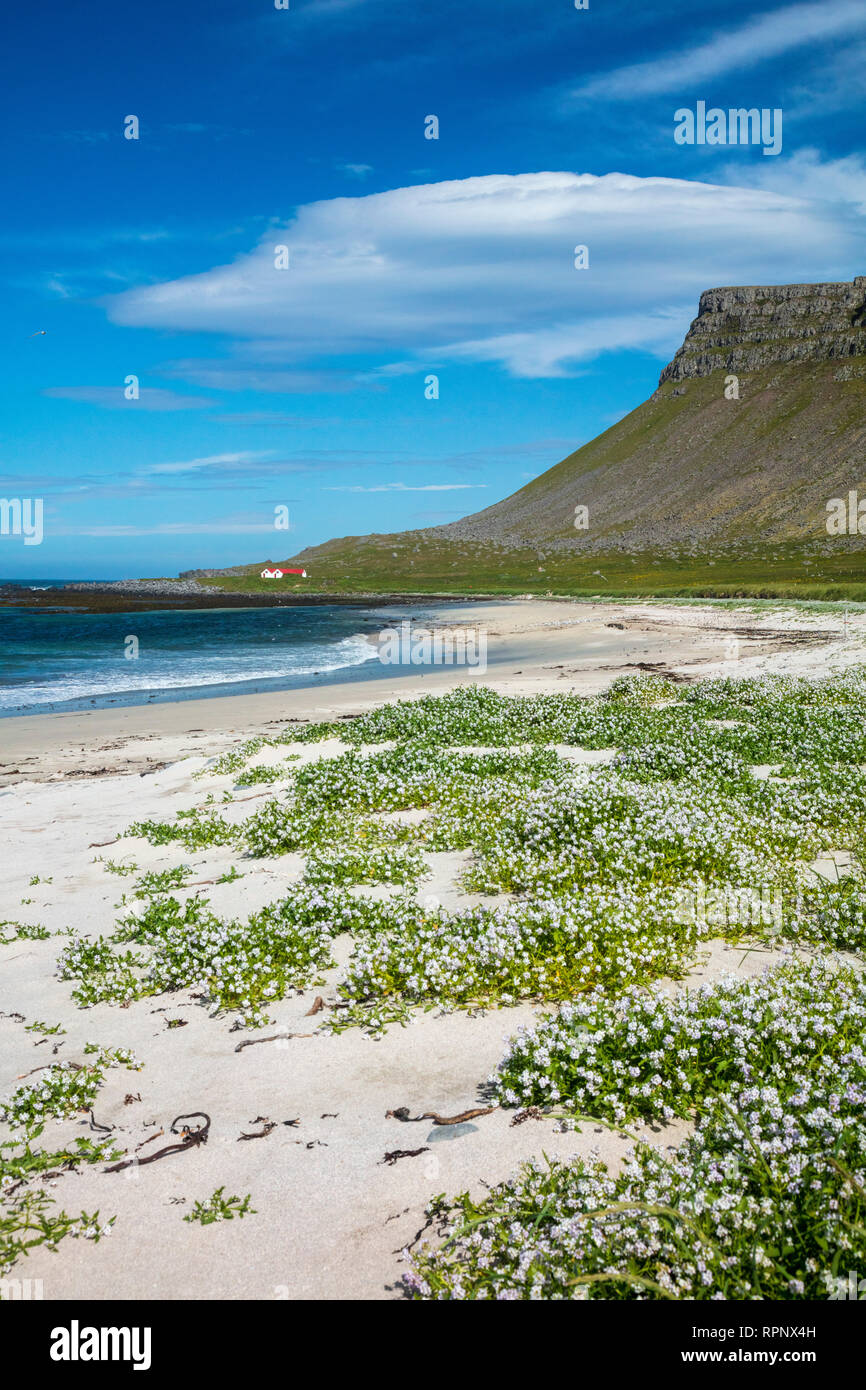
(112, 398)
(732, 50)
(405, 487)
(482, 270)
(245, 373)
(548, 352)
(806, 176)
(228, 527)
(357, 171)
(316, 9)
(209, 461)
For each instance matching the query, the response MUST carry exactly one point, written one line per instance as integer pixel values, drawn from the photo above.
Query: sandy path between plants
(331, 1215)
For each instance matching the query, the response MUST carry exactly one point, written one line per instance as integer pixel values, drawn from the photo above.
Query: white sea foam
(186, 672)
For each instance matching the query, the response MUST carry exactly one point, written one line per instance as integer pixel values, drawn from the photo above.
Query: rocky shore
(144, 586)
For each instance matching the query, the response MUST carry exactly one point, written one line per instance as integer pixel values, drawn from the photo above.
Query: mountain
(759, 420)
(690, 464)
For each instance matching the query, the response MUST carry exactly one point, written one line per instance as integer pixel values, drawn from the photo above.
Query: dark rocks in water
(143, 586)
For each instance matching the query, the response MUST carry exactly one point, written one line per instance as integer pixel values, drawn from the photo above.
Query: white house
(278, 573)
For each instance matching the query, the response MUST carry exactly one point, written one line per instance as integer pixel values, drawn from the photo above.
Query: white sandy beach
(331, 1215)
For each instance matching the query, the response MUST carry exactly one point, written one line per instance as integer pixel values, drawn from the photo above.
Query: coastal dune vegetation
(605, 842)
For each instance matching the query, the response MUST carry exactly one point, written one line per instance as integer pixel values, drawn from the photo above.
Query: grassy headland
(418, 565)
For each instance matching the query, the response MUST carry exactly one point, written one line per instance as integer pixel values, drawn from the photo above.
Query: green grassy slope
(689, 466)
(689, 494)
(381, 565)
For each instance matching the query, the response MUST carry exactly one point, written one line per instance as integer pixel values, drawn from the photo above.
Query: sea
(52, 660)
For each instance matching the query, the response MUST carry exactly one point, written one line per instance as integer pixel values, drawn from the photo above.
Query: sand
(532, 645)
(331, 1216)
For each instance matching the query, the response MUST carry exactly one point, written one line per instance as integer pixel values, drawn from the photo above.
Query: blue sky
(304, 387)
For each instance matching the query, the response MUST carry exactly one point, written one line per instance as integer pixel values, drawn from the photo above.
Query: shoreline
(168, 600)
(533, 646)
(23, 598)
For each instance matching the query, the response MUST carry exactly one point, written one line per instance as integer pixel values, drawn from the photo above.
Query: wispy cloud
(553, 352)
(731, 49)
(211, 461)
(269, 417)
(235, 375)
(83, 137)
(229, 526)
(320, 9)
(356, 171)
(807, 175)
(113, 398)
(405, 487)
(216, 131)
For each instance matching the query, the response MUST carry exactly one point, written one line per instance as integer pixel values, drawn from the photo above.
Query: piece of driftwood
(190, 1139)
(402, 1113)
(392, 1157)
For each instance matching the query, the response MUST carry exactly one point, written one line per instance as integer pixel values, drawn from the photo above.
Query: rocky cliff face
(752, 326)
